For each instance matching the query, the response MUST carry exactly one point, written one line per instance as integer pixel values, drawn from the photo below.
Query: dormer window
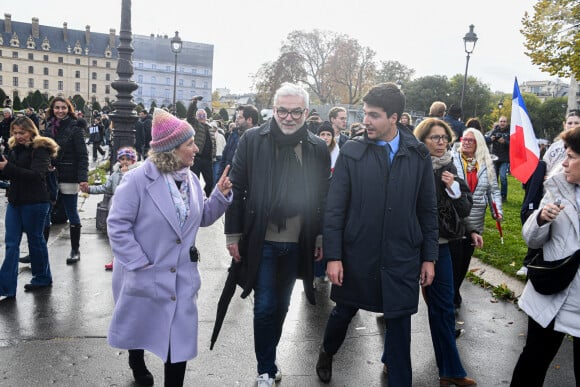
(14, 42)
(45, 44)
(108, 52)
(78, 50)
(30, 43)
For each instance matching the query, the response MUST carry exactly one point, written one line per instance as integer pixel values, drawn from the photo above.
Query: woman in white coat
(556, 229)
(152, 227)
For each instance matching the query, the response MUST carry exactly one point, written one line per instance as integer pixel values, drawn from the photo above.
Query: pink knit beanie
(168, 132)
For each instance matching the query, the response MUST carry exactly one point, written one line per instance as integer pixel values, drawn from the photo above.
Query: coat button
(173, 298)
(178, 241)
(172, 270)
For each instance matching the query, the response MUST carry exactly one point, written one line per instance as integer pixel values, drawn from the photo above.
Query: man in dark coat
(143, 134)
(246, 118)
(205, 141)
(280, 178)
(453, 118)
(380, 232)
(338, 119)
(5, 127)
(500, 147)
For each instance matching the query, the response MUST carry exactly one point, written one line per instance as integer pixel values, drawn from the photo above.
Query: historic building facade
(63, 61)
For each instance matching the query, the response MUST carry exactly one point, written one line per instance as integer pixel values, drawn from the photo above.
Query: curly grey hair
(166, 162)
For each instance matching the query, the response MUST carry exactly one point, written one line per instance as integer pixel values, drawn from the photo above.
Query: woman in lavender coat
(152, 226)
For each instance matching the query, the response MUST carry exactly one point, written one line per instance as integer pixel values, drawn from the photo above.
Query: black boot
(175, 374)
(26, 259)
(75, 238)
(140, 372)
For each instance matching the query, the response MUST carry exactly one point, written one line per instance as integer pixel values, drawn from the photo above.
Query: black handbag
(450, 224)
(551, 277)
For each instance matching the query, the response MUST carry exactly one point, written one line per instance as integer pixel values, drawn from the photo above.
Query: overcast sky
(424, 35)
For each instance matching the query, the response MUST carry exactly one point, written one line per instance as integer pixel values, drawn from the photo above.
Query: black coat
(72, 162)
(463, 203)
(26, 169)
(251, 175)
(381, 224)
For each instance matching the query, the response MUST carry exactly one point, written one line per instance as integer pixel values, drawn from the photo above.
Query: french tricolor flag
(524, 149)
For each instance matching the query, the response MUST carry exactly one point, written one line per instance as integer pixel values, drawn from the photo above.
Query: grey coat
(485, 192)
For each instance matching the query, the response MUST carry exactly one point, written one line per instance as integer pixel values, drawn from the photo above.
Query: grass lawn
(507, 257)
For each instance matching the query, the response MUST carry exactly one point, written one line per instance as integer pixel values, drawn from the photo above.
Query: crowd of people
(384, 211)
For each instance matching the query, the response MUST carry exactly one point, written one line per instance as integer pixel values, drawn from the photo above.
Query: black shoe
(324, 366)
(25, 259)
(35, 287)
(73, 257)
(141, 374)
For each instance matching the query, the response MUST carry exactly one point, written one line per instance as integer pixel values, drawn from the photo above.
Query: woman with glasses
(453, 195)
(474, 165)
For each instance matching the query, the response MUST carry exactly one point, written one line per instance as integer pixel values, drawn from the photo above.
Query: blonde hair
(165, 161)
(26, 124)
(481, 152)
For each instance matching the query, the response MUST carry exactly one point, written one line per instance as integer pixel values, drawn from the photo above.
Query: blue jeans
(274, 283)
(28, 218)
(397, 346)
(501, 170)
(439, 299)
(71, 207)
(216, 168)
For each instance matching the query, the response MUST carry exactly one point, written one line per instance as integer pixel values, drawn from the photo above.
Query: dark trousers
(97, 148)
(461, 251)
(397, 347)
(205, 168)
(542, 345)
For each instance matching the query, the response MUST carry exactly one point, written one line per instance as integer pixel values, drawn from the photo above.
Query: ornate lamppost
(176, 45)
(469, 41)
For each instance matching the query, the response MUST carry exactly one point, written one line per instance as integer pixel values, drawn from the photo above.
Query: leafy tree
(180, 110)
(422, 92)
(2, 96)
(394, 71)
(78, 102)
(552, 36)
(476, 99)
(552, 113)
(17, 103)
(224, 116)
(352, 74)
(287, 68)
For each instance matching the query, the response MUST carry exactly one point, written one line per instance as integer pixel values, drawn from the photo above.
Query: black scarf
(288, 177)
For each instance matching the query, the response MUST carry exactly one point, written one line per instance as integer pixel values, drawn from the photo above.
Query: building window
(180, 82)
(94, 76)
(107, 77)
(15, 81)
(139, 78)
(45, 71)
(168, 81)
(153, 92)
(60, 59)
(30, 69)
(77, 74)
(139, 90)
(0, 66)
(94, 63)
(60, 72)
(78, 61)
(107, 89)
(108, 65)
(14, 54)
(30, 56)
(93, 88)
(193, 83)
(45, 84)
(154, 66)
(14, 68)
(194, 70)
(31, 83)
(45, 58)
(205, 71)
(140, 65)
(167, 93)
(167, 68)
(1, 80)
(153, 80)
(77, 87)
(60, 85)
(205, 85)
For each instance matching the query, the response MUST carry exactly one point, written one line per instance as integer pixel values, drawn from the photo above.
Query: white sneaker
(265, 380)
(278, 375)
(522, 272)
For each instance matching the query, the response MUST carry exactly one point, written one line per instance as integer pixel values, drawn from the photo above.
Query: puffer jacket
(72, 162)
(485, 193)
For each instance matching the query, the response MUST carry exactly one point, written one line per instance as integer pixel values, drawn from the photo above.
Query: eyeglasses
(468, 140)
(437, 138)
(283, 113)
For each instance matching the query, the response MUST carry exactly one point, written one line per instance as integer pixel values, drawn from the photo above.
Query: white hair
(482, 152)
(291, 89)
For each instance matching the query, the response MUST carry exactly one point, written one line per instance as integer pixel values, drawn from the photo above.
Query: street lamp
(499, 107)
(469, 41)
(176, 45)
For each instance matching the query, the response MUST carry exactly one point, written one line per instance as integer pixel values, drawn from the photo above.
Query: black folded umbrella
(236, 273)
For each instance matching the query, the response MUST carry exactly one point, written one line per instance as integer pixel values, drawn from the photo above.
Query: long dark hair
(50, 112)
